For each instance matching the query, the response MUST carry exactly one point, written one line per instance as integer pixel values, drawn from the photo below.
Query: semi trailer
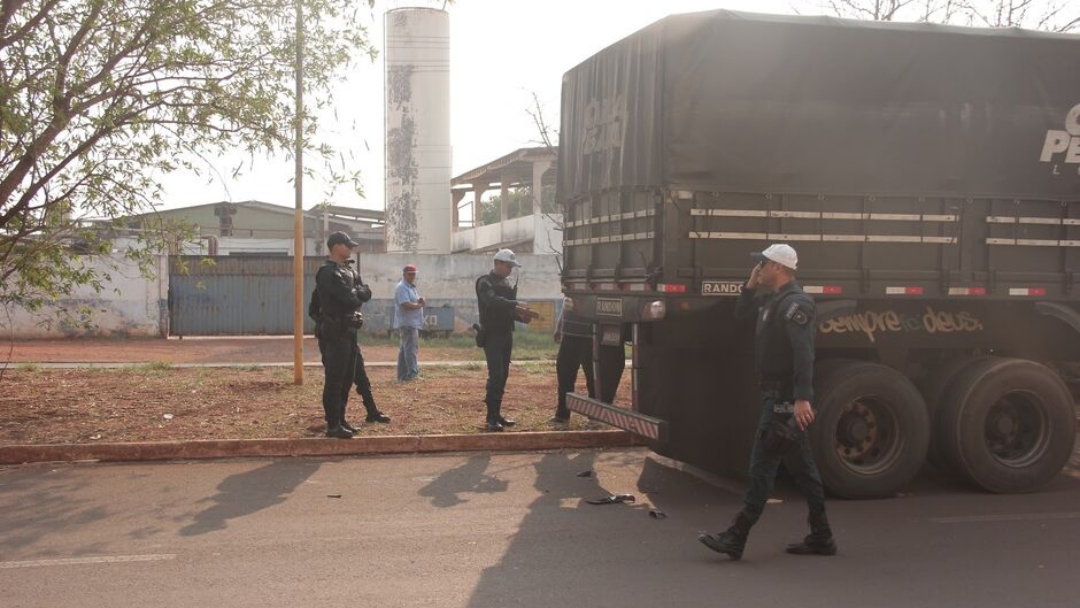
(929, 178)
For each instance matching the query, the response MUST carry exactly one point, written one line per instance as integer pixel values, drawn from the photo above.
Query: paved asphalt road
(505, 530)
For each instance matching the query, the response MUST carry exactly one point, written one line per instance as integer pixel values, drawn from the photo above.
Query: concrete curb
(239, 448)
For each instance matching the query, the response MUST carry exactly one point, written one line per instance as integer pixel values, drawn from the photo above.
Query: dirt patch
(161, 403)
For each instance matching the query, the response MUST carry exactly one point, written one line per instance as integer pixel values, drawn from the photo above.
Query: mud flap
(651, 428)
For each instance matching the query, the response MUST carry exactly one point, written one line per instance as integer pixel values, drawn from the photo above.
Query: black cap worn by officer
(784, 351)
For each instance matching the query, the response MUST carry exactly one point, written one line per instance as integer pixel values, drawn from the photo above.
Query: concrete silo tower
(418, 154)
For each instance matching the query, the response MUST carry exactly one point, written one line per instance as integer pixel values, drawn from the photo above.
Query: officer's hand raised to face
(752, 282)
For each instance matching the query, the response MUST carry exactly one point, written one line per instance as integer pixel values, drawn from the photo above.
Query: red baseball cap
(409, 268)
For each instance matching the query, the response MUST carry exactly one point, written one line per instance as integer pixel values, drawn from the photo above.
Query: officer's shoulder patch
(798, 313)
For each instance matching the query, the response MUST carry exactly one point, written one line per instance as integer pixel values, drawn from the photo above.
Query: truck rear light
(671, 288)
(654, 311)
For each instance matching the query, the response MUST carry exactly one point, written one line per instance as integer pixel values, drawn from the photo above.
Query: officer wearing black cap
(784, 347)
(339, 301)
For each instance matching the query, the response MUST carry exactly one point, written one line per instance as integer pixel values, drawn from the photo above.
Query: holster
(783, 430)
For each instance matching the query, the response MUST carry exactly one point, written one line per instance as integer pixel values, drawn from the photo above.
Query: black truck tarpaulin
(736, 102)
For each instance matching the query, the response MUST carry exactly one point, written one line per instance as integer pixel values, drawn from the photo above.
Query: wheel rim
(1016, 430)
(868, 439)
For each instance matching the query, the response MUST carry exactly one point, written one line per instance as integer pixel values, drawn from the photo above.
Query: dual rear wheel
(1005, 425)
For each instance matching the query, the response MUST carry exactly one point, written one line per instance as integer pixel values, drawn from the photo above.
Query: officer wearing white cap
(499, 308)
(784, 345)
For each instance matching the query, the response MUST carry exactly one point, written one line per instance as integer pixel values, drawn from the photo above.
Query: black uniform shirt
(784, 336)
(496, 300)
(338, 295)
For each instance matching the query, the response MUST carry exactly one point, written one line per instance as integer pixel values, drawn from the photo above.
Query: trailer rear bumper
(653, 429)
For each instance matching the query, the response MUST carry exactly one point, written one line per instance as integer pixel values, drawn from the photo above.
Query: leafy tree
(98, 96)
(1050, 15)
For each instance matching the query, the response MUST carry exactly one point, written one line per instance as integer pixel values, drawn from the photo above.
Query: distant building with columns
(538, 232)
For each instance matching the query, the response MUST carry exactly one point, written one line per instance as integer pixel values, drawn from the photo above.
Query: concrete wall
(128, 305)
(132, 305)
(451, 280)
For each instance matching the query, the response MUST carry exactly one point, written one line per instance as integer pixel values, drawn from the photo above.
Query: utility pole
(298, 214)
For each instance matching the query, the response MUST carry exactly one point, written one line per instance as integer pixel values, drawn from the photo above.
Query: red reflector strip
(1027, 291)
(967, 291)
(666, 288)
(823, 289)
(903, 291)
(578, 286)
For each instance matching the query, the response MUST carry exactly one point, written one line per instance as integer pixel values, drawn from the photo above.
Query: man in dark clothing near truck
(784, 348)
(499, 308)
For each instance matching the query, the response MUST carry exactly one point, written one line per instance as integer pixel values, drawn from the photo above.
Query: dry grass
(157, 402)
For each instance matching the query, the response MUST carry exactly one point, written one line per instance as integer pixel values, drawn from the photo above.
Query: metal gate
(226, 295)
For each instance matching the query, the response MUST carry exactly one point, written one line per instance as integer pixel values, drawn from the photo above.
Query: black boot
(732, 541)
(373, 413)
(494, 420)
(818, 542)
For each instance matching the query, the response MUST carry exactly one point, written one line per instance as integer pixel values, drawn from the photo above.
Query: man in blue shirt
(408, 319)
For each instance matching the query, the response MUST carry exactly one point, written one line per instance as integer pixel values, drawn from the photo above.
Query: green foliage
(521, 203)
(100, 97)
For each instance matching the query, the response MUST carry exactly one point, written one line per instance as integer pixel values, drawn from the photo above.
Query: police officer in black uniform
(574, 335)
(360, 377)
(499, 308)
(784, 345)
(339, 303)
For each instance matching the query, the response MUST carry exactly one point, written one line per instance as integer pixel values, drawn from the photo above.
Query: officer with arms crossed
(339, 304)
(784, 345)
(360, 377)
(499, 307)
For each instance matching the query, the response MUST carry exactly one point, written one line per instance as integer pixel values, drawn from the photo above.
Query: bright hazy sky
(501, 51)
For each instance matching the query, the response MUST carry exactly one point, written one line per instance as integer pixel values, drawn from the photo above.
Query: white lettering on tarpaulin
(611, 308)
(1065, 143)
(871, 323)
(721, 288)
(605, 122)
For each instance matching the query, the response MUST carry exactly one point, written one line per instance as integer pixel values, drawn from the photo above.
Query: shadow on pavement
(36, 506)
(246, 493)
(612, 548)
(469, 478)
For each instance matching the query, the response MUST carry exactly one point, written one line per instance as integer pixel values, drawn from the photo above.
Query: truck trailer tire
(1007, 425)
(872, 430)
(933, 388)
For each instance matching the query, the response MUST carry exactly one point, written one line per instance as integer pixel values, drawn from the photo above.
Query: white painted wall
(128, 305)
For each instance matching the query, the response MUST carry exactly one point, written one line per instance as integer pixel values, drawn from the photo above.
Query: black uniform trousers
(574, 352)
(497, 350)
(363, 383)
(339, 353)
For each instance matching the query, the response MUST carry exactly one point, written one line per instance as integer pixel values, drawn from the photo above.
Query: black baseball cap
(340, 238)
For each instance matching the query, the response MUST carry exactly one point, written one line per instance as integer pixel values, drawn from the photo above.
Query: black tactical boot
(373, 413)
(818, 542)
(732, 541)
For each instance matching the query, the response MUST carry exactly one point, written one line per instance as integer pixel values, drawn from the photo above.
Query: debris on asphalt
(612, 499)
(657, 514)
(333, 495)
(585, 473)
(167, 416)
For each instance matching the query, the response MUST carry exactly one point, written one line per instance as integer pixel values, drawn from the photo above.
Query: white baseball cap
(781, 254)
(505, 255)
